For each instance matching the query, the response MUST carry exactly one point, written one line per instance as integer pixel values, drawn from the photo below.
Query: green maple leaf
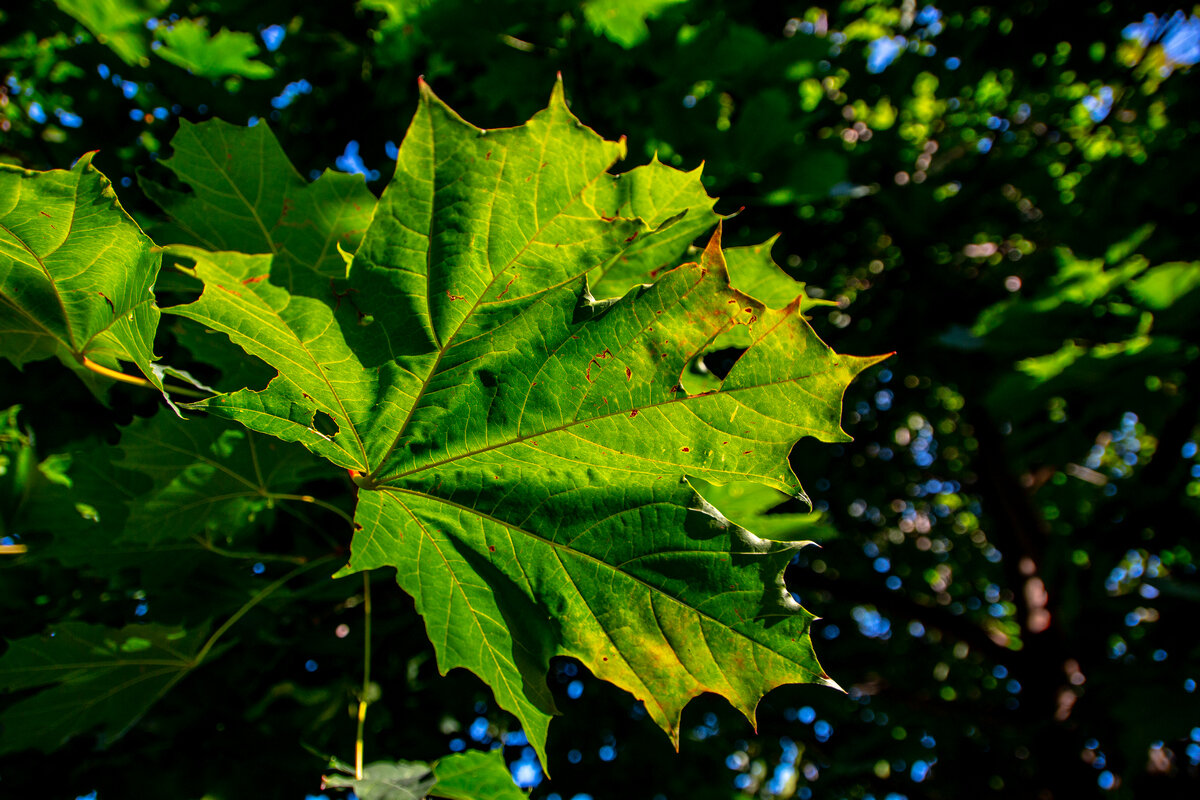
(205, 479)
(386, 780)
(120, 24)
(624, 21)
(523, 450)
(753, 271)
(657, 195)
(247, 196)
(472, 775)
(165, 491)
(97, 677)
(189, 45)
(76, 272)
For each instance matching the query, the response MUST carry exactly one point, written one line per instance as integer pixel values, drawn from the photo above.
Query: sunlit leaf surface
(523, 450)
(76, 272)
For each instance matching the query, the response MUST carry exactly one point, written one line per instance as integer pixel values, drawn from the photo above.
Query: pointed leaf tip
(558, 94)
(712, 251)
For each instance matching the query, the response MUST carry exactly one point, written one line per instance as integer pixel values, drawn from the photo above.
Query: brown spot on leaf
(507, 286)
(605, 353)
(44, 214)
(628, 374)
(491, 548)
(255, 279)
(633, 413)
(454, 296)
(686, 449)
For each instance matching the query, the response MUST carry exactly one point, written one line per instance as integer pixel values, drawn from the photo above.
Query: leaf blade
(76, 272)
(97, 677)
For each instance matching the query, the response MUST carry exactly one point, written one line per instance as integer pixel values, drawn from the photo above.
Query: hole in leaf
(325, 424)
(720, 362)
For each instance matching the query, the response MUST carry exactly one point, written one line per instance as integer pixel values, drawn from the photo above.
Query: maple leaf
(524, 450)
(97, 677)
(76, 273)
(472, 775)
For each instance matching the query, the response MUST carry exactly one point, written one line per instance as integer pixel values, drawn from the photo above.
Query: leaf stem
(135, 380)
(252, 602)
(212, 548)
(308, 498)
(366, 686)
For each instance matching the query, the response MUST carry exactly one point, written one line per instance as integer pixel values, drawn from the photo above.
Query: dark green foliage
(1007, 578)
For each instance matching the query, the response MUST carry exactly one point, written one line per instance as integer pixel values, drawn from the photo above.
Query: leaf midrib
(479, 300)
(287, 331)
(389, 482)
(62, 306)
(238, 192)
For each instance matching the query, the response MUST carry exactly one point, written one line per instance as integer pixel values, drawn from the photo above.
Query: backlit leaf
(524, 450)
(76, 272)
(120, 24)
(472, 775)
(386, 780)
(187, 44)
(624, 21)
(247, 196)
(475, 775)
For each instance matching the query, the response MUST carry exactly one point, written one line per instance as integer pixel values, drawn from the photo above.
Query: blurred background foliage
(1002, 194)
